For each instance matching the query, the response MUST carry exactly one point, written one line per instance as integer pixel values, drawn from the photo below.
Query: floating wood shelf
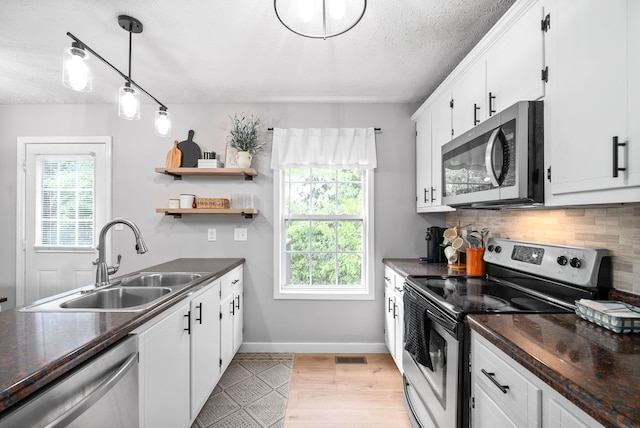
(177, 173)
(177, 212)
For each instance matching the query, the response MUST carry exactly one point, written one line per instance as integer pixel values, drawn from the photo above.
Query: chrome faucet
(103, 271)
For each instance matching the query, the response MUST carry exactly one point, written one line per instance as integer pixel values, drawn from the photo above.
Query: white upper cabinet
(469, 107)
(591, 110)
(423, 166)
(433, 129)
(515, 62)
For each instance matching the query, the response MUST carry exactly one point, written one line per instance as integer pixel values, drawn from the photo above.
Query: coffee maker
(435, 253)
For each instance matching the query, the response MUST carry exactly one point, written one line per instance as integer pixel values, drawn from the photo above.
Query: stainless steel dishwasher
(101, 392)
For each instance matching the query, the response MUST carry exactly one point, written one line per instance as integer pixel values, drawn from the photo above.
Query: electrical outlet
(211, 234)
(240, 234)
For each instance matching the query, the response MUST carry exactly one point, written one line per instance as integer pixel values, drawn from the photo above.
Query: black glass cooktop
(461, 295)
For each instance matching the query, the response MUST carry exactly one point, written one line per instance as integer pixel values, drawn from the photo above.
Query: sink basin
(160, 279)
(129, 294)
(117, 298)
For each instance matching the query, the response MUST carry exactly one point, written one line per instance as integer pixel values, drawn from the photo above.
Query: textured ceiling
(206, 51)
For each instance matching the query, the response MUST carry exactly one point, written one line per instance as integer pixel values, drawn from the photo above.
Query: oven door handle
(496, 136)
(448, 325)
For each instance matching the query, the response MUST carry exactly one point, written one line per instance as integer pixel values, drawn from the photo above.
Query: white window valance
(330, 148)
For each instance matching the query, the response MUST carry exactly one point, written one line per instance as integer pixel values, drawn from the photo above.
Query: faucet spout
(103, 271)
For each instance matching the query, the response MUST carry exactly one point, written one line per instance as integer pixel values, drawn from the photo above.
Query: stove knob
(490, 248)
(562, 260)
(498, 249)
(575, 262)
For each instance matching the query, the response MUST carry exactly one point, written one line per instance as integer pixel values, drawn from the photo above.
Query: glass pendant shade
(163, 123)
(128, 103)
(320, 19)
(76, 73)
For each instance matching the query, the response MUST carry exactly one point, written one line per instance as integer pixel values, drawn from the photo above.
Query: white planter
(243, 160)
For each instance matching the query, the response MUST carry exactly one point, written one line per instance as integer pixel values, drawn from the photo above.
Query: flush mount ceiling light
(319, 19)
(76, 74)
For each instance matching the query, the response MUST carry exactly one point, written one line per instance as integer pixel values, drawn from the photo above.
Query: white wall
(138, 190)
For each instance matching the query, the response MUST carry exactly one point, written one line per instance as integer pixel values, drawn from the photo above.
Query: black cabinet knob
(575, 262)
(562, 260)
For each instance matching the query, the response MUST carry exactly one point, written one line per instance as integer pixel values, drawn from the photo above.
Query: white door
(65, 199)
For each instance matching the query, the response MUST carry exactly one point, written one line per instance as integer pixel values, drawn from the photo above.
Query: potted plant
(244, 138)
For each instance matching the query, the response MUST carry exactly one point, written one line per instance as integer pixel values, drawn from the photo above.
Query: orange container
(475, 262)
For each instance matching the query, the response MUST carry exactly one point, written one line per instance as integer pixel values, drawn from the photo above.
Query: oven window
(437, 377)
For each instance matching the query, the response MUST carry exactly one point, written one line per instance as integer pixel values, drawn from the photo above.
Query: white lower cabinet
(505, 394)
(164, 369)
(231, 316)
(185, 350)
(394, 315)
(205, 346)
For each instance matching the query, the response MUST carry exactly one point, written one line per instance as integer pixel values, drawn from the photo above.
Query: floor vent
(351, 360)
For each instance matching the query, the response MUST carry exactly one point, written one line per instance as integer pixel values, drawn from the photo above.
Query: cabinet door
(587, 90)
(238, 322)
(227, 305)
(487, 413)
(633, 146)
(424, 190)
(389, 322)
(441, 134)
(515, 62)
(399, 330)
(164, 371)
(468, 98)
(205, 345)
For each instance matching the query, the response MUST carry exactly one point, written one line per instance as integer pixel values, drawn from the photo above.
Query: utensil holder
(475, 262)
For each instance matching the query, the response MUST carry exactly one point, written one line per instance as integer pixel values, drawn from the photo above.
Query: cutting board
(190, 152)
(174, 157)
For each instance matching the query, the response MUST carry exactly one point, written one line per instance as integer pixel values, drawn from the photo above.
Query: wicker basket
(222, 203)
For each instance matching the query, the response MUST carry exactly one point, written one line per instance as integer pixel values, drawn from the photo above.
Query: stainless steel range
(521, 277)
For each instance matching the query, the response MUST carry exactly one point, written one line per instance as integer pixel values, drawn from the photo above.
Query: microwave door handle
(488, 157)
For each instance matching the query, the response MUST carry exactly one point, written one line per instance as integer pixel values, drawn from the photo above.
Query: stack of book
(209, 163)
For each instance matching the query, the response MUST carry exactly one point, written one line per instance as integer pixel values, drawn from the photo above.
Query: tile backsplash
(614, 227)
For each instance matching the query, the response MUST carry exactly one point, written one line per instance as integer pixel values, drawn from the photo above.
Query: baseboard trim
(315, 348)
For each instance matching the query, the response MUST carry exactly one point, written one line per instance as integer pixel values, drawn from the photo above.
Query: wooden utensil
(174, 157)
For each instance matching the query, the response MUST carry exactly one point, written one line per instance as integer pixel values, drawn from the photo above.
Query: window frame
(364, 291)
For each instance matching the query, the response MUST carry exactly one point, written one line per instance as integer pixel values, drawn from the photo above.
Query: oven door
(431, 393)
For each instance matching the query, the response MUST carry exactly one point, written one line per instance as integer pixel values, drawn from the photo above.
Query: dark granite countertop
(594, 368)
(408, 267)
(38, 347)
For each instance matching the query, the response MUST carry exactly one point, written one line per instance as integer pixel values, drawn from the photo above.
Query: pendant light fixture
(319, 19)
(76, 74)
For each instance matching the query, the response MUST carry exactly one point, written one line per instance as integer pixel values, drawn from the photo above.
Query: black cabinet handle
(616, 146)
(475, 114)
(491, 98)
(389, 304)
(425, 194)
(188, 316)
(433, 189)
(199, 308)
(238, 302)
(503, 388)
(395, 313)
(233, 308)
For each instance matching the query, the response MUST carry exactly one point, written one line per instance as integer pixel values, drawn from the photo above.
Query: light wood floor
(326, 394)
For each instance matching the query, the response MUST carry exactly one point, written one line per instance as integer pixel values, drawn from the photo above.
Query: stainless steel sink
(117, 298)
(160, 279)
(129, 294)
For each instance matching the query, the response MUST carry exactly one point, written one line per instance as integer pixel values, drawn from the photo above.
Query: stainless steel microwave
(500, 162)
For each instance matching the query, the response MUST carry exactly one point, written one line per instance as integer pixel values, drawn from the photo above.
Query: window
(323, 227)
(65, 202)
